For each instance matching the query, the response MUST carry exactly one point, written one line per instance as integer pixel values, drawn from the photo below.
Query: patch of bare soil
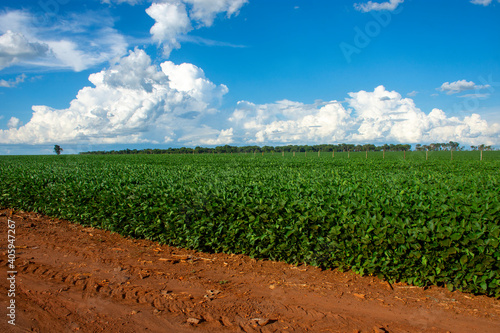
(76, 279)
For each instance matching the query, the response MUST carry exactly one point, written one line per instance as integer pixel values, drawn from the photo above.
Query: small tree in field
(58, 149)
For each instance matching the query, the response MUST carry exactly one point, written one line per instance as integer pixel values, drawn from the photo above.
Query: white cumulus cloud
(205, 11)
(15, 48)
(383, 114)
(379, 116)
(286, 121)
(459, 86)
(174, 19)
(370, 5)
(132, 101)
(171, 21)
(14, 122)
(77, 42)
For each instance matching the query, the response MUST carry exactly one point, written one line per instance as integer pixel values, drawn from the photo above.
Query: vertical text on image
(11, 272)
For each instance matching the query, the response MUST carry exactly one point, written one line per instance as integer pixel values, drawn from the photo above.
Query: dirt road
(76, 279)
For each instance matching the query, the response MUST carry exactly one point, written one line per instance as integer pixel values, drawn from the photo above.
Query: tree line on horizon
(449, 146)
(292, 148)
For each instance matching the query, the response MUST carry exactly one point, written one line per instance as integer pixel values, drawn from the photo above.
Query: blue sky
(114, 74)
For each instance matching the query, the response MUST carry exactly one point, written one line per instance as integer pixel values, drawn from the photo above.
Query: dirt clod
(380, 329)
(360, 296)
(194, 321)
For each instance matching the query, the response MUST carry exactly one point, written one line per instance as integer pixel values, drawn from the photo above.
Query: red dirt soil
(76, 279)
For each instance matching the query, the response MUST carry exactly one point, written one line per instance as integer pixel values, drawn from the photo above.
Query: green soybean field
(407, 217)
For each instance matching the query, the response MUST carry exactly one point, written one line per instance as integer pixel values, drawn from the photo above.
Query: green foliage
(58, 149)
(417, 221)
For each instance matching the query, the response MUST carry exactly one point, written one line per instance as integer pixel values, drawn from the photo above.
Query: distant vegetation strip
(294, 148)
(416, 221)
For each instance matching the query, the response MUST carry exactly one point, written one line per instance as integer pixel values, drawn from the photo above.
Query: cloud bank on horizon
(134, 100)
